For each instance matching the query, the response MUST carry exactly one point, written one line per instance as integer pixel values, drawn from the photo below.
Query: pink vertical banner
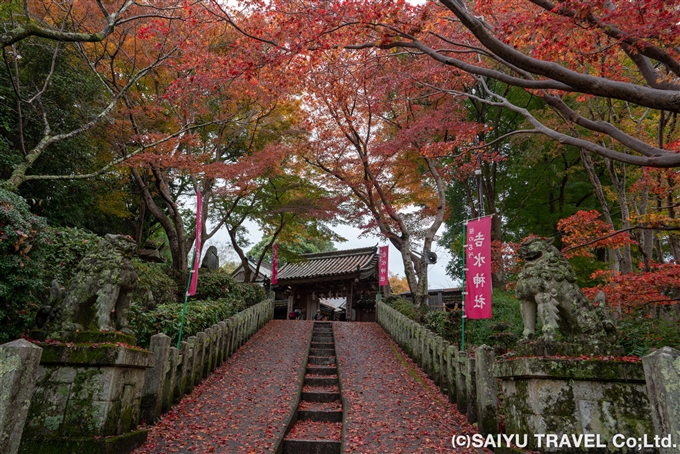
(384, 268)
(275, 264)
(199, 237)
(478, 274)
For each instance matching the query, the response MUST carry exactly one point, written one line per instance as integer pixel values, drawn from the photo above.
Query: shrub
(504, 329)
(22, 237)
(166, 318)
(501, 332)
(65, 248)
(403, 306)
(639, 335)
(216, 284)
(221, 297)
(154, 287)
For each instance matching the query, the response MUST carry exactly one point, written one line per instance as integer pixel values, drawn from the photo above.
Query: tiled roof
(331, 264)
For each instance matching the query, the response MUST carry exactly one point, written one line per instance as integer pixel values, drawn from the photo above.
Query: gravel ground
(242, 407)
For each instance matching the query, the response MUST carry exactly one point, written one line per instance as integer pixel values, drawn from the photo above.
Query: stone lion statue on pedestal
(547, 287)
(98, 296)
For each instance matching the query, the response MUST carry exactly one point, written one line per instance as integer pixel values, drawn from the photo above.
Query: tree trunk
(620, 185)
(171, 223)
(599, 193)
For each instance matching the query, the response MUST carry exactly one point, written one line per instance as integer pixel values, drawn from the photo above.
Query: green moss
(83, 417)
(118, 444)
(52, 423)
(572, 369)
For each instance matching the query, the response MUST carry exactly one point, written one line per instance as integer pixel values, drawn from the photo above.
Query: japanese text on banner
(478, 274)
(384, 280)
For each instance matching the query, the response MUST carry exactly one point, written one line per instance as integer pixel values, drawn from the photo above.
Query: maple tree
(69, 26)
(375, 135)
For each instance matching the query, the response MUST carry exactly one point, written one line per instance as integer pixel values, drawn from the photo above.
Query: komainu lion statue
(547, 286)
(98, 296)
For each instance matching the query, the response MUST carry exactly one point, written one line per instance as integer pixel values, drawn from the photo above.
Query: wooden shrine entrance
(350, 274)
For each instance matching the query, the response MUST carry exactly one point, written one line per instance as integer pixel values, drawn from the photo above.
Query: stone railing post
(443, 369)
(207, 358)
(200, 357)
(461, 385)
(230, 337)
(182, 369)
(487, 394)
(19, 361)
(452, 367)
(471, 390)
(662, 374)
(170, 379)
(191, 364)
(222, 356)
(154, 378)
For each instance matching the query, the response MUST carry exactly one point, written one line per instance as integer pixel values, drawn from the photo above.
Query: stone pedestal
(662, 369)
(573, 397)
(19, 362)
(87, 399)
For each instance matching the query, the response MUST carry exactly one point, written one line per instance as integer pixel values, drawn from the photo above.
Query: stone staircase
(317, 426)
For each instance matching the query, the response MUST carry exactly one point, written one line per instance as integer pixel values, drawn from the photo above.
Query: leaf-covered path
(392, 406)
(243, 406)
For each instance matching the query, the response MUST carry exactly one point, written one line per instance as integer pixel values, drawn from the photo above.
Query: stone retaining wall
(90, 397)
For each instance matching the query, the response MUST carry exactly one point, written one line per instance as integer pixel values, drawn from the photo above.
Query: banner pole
(463, 288)
(186, 297)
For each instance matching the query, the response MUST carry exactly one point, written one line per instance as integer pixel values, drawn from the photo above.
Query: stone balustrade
(598, 396)
(117, 386)
(177, 371)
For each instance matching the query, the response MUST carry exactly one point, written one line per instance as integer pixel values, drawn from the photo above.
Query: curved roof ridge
(357, 251)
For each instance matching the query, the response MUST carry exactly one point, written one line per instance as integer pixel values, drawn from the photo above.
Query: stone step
(322, 331)
(321, 360)
(311, 447)
(322, 352)
(320, 415)
(322, 381)
(323, 396)
(323, 339)
(322, 345)
(322, 370)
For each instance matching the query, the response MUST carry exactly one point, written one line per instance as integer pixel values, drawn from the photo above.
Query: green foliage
(403, 306)
(22, 235)
(506, 310)
(289, 251)
(216, 284)
(584, 267)
(154, 287)
(64, 249)
(502, 331)
(441, 323)
(200, 314)
(166, 318)
(639, 335)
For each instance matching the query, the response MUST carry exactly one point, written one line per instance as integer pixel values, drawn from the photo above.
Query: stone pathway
(392, 406)
(245, 406)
